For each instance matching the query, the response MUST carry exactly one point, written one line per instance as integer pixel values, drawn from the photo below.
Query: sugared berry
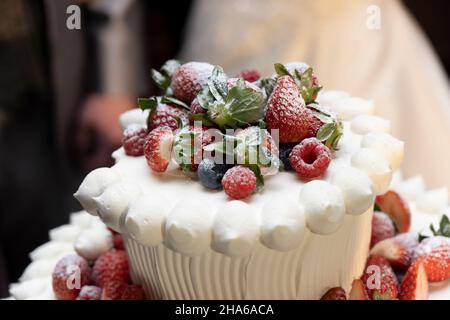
(90, 293)
(250, 75)
(111, 266)
(189, 79)
(239, 182)
(196, 108)
(71, 273)
(167, 116)
(118, 242)
(310, 158)
(285, 151)
(134, 139)
(210, 173)
(113, 290)
(158, 148)
(133, 292)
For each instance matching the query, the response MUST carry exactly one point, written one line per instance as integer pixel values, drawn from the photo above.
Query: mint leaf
(147, 103)
(281, 70)
(172, 100)
(205, 97)
(217, 84)
(259, 177)
(161, 80)
(326, 131)
(267, 84)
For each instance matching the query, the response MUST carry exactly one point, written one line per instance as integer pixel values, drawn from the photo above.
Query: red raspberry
(167, 116)
(239, 182)
(71, 273)
(134, 139)
(133, 292)
(113, 290)
(90, 293)
(310, 158)
(250, 75)
(111, 266)
(118, 241)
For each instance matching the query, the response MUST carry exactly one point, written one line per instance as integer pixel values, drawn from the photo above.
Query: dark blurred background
(60, 98)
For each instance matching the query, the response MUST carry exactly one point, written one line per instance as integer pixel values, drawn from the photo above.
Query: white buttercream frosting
(357, 189)
(392, 148)
(133, 116)
(114, 201)
(145, 219)
(365, 123)
(93, 241)
(93, 185)
(376, 166)
(236, 228)
(282, 225)
(188, 227)
(347, 107)
(324, 207)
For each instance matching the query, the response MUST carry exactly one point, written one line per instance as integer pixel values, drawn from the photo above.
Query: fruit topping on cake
(241, 121)
(397, 208)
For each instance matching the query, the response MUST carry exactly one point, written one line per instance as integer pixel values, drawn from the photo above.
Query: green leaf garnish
(163, 77)
(267, 84)
(172, 100)
(281, 70)
(204, 119)
(217, 84)
(444, 229)
(259, 177)
(147, 103)
(169, 67)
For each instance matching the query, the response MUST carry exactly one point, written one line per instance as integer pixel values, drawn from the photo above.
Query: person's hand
(98, 131)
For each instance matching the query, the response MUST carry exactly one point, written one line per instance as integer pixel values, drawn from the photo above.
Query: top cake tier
(290, 160)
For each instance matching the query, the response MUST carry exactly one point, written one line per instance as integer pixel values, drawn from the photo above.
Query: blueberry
(211, 173)
(285, 151)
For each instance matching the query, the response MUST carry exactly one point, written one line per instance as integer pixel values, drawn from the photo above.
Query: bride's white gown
(394, 65)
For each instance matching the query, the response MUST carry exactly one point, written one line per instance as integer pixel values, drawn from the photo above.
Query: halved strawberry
(398, 250)
(358, 291)
(287, 112)
(397, 208)
(336, 293)
(379, 279)
(435, 253)
(382, 227)
(158, 148)
(415, 284)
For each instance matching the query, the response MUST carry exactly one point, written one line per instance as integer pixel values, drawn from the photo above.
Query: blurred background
(62, 90)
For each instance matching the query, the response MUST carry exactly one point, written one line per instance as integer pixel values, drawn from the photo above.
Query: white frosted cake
(305, 231)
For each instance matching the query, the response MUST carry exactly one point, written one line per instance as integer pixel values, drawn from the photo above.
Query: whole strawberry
(382, 227)
(71, 273)
(189, 79)
(90, 293)
(336, 293)
(435, 255)
(287, 112)
(379, 279)
(133, 292)
(165, 115)
(111, 266)
(134, 139)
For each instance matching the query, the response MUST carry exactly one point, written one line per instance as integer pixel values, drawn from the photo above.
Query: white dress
(394, 64)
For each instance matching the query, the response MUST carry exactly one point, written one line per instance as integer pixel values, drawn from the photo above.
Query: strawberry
(113, 290)
(397, 208)
(158, 148)
(287, 112)
(196, 108)
(336, 293)
(250, 75)
(382, 227)
(239, 182)
(398, 250)
(133, 292)
(111, 266)
(189, 79)
(435, 255)
(358, 291)
(134, 139)
(415, 284)
(165, 115)
(90, 293)
(310, 158)
(71, 273)
(118, 242)
(379, 279)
